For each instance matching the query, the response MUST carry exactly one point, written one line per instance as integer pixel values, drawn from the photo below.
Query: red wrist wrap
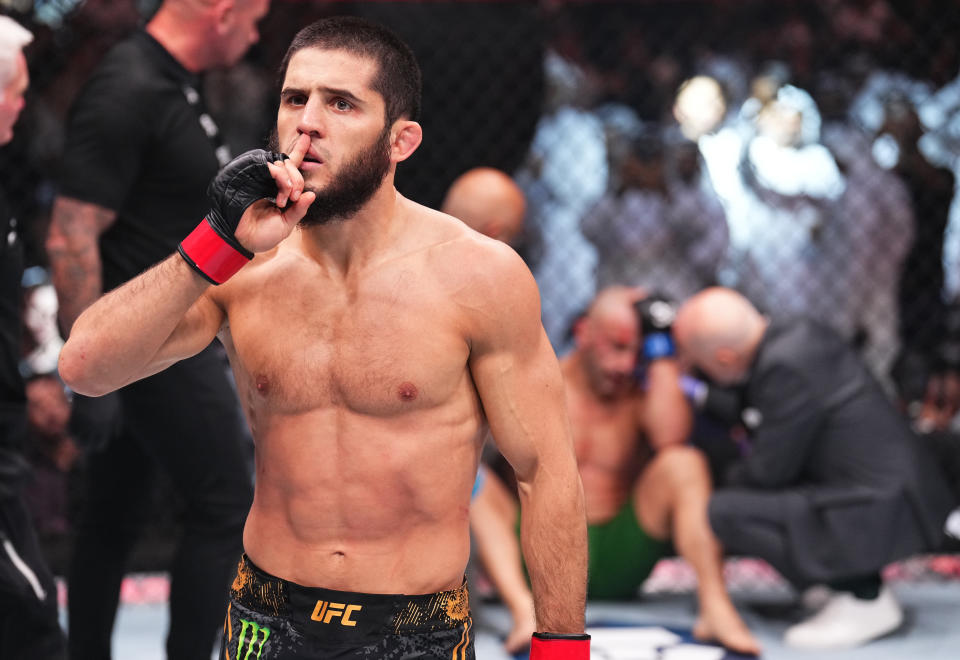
(205, 250)
(559, 649)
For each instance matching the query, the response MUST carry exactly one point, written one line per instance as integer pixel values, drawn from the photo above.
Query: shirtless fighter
(370, 338)
(644, 486)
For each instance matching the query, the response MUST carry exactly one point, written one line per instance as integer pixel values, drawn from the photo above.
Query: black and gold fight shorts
(269, 618)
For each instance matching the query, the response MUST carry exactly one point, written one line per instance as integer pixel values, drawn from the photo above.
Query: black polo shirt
(12, 397)
(139, 142)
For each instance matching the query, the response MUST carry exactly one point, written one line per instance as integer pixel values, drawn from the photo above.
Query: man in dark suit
(833, 485)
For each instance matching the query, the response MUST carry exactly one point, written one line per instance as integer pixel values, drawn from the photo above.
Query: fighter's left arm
(666, 416)
(518, 378)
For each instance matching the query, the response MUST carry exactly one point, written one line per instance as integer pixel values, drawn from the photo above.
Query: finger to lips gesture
(287, 175)
(266, 222)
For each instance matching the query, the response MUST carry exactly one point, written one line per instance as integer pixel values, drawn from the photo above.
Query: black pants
(29, 629)
(184, 422)
(818, 534)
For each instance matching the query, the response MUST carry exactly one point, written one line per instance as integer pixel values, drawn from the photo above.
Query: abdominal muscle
(605, 492)
(358, 504)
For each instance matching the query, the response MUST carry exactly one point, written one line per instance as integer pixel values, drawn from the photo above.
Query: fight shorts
(269, 618)
(622, 556)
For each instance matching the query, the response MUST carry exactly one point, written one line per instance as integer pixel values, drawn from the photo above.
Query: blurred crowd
(799, 163)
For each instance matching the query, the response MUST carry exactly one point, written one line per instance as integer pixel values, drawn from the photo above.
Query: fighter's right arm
(163, 315)
(665, 417)
(140, 328)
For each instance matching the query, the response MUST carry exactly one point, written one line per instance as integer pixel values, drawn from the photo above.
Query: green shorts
(621, 556)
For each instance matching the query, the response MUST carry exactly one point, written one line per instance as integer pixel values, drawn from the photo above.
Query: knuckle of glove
(245, 180)
(656, 313)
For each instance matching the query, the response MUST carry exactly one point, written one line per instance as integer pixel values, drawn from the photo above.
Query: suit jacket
(859, 488)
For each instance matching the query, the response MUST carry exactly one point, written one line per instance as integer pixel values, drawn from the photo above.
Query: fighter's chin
(318, 178)
(613, 387)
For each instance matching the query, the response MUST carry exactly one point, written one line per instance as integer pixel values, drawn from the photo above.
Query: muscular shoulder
(485, 278)
(480, 266)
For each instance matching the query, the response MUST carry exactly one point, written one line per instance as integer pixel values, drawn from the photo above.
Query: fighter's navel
(407, 391)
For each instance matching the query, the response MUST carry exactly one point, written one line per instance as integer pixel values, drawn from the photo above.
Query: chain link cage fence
(801, 151)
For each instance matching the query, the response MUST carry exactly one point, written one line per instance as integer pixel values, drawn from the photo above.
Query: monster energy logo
(255, 642)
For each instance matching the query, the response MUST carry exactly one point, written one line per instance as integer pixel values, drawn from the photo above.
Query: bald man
(644, 486)
(140, 151)
(834, 486)
(488, 201)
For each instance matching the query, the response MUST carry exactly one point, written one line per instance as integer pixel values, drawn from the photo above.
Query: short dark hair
(398, 78)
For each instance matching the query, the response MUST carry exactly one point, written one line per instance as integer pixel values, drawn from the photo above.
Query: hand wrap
(212, 249)
(558, 646)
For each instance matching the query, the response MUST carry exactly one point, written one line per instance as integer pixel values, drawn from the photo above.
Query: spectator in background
(834, 485)
(51, 450)
(566, 173)
(29, 627)
(644, 487)
(877, 208)
(663, 227)
(779, 187)
(52, 456)
(700, 109)
(488, 201)
(789, 229)
(141, 149)
(923, 310)
(940, 116)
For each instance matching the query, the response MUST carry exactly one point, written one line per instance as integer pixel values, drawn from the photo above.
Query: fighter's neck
(575, 375)
(345, 244)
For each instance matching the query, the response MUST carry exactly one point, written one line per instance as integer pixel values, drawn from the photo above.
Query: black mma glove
(212, 249)
(655, 313)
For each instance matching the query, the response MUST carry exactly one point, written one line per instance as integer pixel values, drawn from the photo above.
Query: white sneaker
(845, 622)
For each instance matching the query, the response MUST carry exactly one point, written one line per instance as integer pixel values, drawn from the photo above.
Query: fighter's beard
(352, 186)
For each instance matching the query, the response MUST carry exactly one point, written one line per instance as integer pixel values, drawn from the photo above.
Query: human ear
(223, 13)
(405, 137)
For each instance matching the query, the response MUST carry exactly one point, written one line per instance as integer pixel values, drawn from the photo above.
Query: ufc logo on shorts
(325, 611)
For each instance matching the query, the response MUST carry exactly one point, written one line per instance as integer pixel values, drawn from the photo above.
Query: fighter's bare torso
(357, 386)
(608, 442)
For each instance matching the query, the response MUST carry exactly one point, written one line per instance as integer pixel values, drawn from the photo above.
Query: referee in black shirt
(140, 151)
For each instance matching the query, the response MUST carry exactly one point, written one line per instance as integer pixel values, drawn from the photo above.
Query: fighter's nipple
(263, 385)
(407, 391)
